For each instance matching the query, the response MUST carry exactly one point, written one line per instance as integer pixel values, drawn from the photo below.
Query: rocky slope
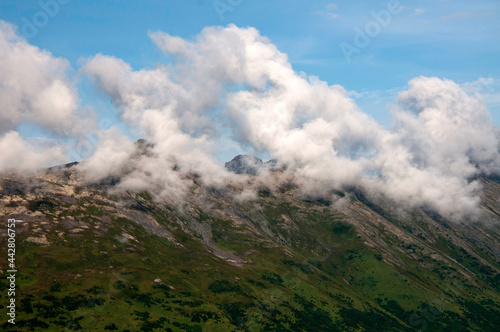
(251, 165)
(93, 258)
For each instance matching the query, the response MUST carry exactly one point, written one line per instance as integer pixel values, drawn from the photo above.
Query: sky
(454, 39)
(401, 98)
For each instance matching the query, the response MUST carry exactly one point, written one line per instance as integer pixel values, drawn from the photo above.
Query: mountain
(93, 258)
(250, 165)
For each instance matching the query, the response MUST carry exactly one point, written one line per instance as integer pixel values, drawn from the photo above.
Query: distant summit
(249, 164)
(143, 148)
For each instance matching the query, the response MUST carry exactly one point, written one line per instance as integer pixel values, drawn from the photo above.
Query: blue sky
(454, 39)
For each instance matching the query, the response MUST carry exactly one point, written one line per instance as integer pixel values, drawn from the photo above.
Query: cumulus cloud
(110, 157)
(35, 89)
(34, 86)
(443, 138)
(18, 154)
(455, 128)
(241, 76)
(173, 108)
(233, 82)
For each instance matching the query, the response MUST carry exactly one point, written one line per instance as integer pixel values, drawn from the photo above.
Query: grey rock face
(244, 164)
(251, 165)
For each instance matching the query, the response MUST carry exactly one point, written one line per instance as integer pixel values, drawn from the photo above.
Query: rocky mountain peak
(251, 165)
(143, 147)
(244, 164)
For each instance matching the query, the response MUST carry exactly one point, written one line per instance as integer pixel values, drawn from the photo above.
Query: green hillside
(91, 259)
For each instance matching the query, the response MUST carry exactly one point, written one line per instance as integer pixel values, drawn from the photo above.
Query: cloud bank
(233, 81)
(34, 89)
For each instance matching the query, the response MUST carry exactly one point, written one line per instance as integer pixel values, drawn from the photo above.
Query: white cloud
(447, 137)
(20, 155)
(487, 88)
(110, 158)
(419, 11)
(441, 139)
(467, 15)
(329, 11)
(35, 89)
(233, 80)
(331, 6)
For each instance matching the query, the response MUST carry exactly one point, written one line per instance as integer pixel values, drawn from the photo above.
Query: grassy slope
(308, 270)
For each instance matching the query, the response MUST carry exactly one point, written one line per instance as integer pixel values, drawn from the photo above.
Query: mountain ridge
(250, 165)
(276, 261)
